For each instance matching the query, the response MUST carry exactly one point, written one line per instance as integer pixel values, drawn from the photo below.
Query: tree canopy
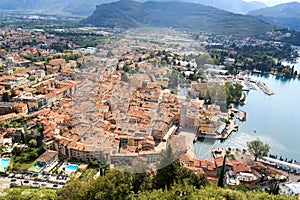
(258, 149)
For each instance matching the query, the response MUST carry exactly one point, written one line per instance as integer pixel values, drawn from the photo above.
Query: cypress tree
(221, 177)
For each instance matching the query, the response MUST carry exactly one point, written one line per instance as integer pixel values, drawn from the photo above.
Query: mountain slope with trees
(287, 14)
(235, 6)
(131, 14)
(83, 7)
(78, 7)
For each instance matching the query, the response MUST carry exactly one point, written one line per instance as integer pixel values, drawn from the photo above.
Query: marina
(248, 85)
(264, 88)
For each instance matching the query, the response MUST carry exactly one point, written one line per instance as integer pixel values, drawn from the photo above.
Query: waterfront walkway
(232, 127)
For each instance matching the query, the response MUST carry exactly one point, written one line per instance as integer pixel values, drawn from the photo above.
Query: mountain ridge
(287, 15)
(83, 7)
(132, 14)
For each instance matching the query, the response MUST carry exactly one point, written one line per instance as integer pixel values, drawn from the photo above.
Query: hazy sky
(273, 2)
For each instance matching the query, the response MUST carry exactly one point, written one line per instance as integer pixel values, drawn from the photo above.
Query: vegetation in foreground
(120, 185)
(165, 184)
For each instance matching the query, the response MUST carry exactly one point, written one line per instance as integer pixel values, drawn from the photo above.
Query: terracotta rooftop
(47, 156)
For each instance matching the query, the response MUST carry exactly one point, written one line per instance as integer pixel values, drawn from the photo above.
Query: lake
(272, 119)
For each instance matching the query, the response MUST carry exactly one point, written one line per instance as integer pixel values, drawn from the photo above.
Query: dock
(241, 115)
(232, 127)
(264, 88)
(250, 85)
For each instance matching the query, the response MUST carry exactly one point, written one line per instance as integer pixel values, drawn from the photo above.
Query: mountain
(84, 7)
(78, 7)
(287, 14)
(235, 6)
(131, 14)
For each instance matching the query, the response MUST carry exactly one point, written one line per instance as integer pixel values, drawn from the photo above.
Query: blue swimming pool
(70, 167)
(4, 163)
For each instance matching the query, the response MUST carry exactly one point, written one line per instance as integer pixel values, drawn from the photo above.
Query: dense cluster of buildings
(117, 105)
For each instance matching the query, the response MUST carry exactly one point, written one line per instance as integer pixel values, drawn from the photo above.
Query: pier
(241, 115)
(250, 85)
(232, 127)
(264, 88)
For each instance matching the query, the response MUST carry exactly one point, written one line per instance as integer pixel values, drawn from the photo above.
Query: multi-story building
(34, 102)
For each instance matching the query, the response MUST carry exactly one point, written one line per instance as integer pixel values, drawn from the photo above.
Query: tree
(258, 148)
(166, 175)
(13, 93)
(222, 174)
(187, 175)
(33, 154)
(109, 54)
(115, 185)
(140, 182)
(75, 189)
(32, 143)
(6, 97)
(23, 134)
(24, 193)
(124, 77)
(274, 188)
(125, 68)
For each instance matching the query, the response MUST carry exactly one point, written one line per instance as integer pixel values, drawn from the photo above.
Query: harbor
(248, 84)
(261, 123)
(223, 132)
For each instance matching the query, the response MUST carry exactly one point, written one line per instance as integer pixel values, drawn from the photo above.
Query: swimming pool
(70, 167)
(4, 163)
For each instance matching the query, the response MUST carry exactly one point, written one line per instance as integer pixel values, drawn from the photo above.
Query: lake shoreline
(269, 118)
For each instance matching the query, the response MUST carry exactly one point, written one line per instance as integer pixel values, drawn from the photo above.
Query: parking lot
(33, 183)
(51, 181)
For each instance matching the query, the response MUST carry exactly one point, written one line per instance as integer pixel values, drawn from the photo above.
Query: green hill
(78, 7)
(235, 6)
(83, 7)
(131, 14)
(287, 15)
